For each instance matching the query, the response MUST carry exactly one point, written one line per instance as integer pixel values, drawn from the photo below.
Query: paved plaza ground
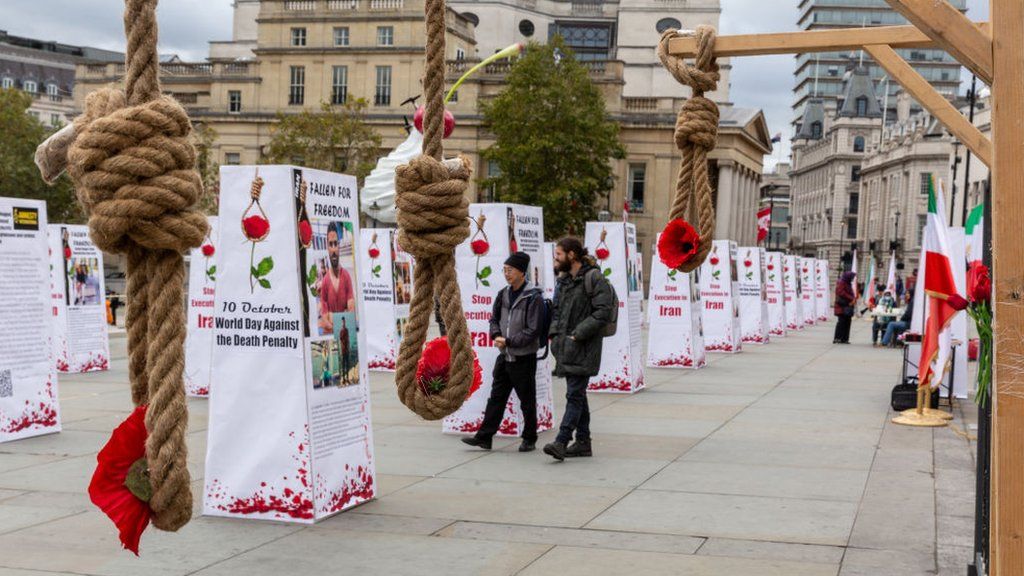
(777, 461)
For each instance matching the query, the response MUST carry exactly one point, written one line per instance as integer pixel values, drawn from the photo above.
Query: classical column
(723, 205)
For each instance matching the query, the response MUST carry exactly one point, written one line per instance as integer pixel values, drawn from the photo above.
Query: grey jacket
(518, 322)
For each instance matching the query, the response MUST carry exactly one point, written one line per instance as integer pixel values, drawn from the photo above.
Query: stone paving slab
(744, 479)
(570, 561)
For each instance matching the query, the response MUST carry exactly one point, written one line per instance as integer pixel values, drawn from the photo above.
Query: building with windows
(775, 194)
(828, 154)
(292, 55)
(820, 75)
(46, 71)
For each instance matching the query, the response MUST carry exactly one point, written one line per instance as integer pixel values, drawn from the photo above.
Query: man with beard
(583, 305)
(344, 345)
(336, 293)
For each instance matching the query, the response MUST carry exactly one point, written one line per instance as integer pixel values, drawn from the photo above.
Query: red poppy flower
(714, 260)
(374, 253)
(208, 250)
(770, 266)
(747, 263)
(255, 227)
(602, 253)
(979, 283)
(479, 247)
(678, 243)
(432, 368)
(120, 483)
(67, 252)
(305, 232)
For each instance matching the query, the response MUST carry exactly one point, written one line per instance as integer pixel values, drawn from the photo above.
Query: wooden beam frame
(900, 71)
(834, 40)
(952, 31)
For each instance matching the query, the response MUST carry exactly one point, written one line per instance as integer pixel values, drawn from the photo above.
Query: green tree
(204, 137)
(554, 142)
(337, 138)
(20, 133)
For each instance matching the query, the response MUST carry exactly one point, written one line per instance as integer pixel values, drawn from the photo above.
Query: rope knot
(433, 212)
(697, 124)
(702, 76)
(133, 169)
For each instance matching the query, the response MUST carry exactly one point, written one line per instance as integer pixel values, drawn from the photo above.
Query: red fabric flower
(67, 252)
(678, 243)
(480, 247)
(449, 121)
(602, 253)
(979, 283)
(255, 227)
(208, 250)
(305, 232)
(109, 489)
(374, 253)
(432, 368)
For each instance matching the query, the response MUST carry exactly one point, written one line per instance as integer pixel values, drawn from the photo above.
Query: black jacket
(577, 322)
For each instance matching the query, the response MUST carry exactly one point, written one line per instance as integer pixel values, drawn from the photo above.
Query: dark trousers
(843, 328)
(577, 411)
(520, 376)
(877, 329)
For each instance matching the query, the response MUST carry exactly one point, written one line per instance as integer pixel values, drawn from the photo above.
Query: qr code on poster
(6, 386)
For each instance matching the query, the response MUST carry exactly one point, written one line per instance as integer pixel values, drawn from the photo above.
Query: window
(460, 54)
(55, 120)
(922, 220)
(234, 101)
(589, 41)
(854, 205)
(232, 158)
(30, 86)
(666, 23)
(385, 35)
(382, 93)
(7, 82)
(341, 36)
(851, 229)
(858, 144)
(862, 106)
(298, 36)
(297, 88)
(926, 180)
(526, 28)
(455, 97)
(855, 174)
(815, 130)
(52, 90)
(635, 186)
(339, 85)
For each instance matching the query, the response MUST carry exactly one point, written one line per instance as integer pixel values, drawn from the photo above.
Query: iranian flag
(764, 223)
(890, 281)
(941, 296)
(853, 268)
(975, 230)
(872, 294)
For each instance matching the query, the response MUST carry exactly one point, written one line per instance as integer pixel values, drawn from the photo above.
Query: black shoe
(579, 449)
(528, 446)
(556, 450)
(484, 443)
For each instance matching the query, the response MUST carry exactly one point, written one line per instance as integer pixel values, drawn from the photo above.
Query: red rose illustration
(602, 253)
(120, 485)
(374, 253)
(305, 232)
(208, 250)
(770, 266)
(678, 243)
(980, 283)
(480, 247)
(255, 227)
(67, 252)
(449, 121)
(747, 263)
(432, 368)
(714, 260)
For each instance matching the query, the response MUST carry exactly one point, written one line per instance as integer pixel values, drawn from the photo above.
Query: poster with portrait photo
(330, 274)
(79, 301)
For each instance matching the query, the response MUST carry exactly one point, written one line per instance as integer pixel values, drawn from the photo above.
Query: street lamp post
(803, 235)
(895, 244)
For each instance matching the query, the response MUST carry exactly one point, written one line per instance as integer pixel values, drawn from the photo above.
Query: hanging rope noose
(696, 135)
(433, 218)
(133, 167)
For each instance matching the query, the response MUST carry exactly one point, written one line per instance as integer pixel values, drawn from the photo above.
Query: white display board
(808, 301)
(202, 287)
(791, 289)
(752, 295)
(290, 436)
(79, 300)
(774, 287)
(548, 272)
(720, 292)
(377, 275)
(28, 372)
(675, 338)
(821, 290)
(622, 363)
(479, 261)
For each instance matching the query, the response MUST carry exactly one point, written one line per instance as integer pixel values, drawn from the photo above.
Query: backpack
(589, 281)
(545, 325)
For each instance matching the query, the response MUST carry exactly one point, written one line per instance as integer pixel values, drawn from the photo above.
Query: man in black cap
(515, 327)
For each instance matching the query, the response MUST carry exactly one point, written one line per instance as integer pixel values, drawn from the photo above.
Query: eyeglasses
(332, 243)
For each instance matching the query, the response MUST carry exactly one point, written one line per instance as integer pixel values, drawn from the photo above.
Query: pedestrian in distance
(843, 307)
(583, 306)
(516, 320)
(881, 322)
(898, 327)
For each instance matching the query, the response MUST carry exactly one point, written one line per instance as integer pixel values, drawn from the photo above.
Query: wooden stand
(922, 416)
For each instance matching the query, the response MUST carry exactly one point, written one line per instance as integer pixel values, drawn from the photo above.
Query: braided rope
(696, 134)
(133, 168)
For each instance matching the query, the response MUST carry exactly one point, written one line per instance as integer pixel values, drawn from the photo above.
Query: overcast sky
(187, 25)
